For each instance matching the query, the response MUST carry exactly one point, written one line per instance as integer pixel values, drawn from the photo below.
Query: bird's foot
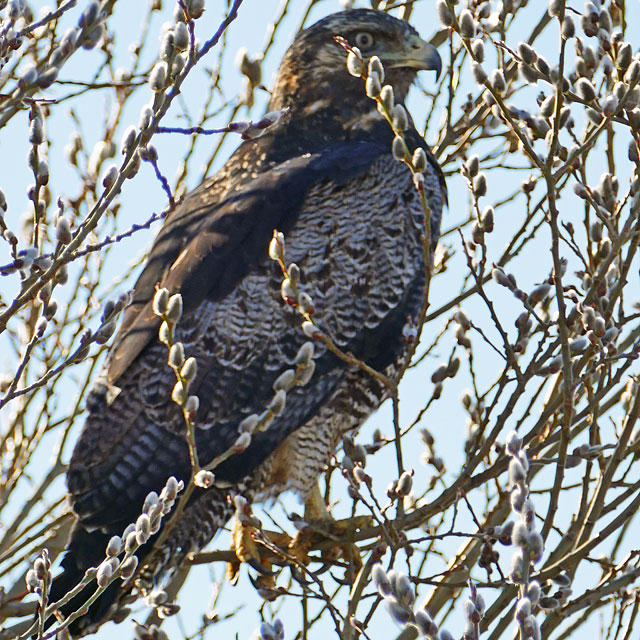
(334, 537)
(243, 543)
(318, 530)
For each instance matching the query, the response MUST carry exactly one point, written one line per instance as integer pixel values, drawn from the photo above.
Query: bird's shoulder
(222, 228)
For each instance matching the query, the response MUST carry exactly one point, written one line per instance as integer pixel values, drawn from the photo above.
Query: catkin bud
(594, 116)
(176, 355)
(129, 567)
(568, 27)
(43, 172)
(63, 231)
(419, 160)
(105, 571)
(404, 484)
(426, 625)
(285, 381)
(174, 308)
(375, 66)
(497, 81)
(305, 374)
(191, 405)
(294, 273)
(158, 77)
(50, 309)
(609, 105)
(189, 369)
(242, 442)
(128, 140)
(439, 374)
(387, 98)
(277, 404)
(477, 50)
(28, 77)
(585, 90)
(526, 53)
(380, 579)
(355, 66)
(400, 118)
(195, 8)
(539, 294)
(40, 568)
(160, 301)
(580, 190)
(305, 354)
(542, 66)
(520, 535)
(93, 37)
(502, 278)
(478, 73)
(548, 106)
(287, 292)
(48, 77)
(143, 528)
(399, 150)
(467, 24)
(633, 72)
(114, 546)
(181, 36)
(179, 393)
(204, 479)
(373, 86)
(33, 583)
(472, 165)
(523, 609)
(109, 177)
(276, 246)
(105, 332)
(604, 21)
(36, 130)
(89, 15)
(149, 153)
(146, 115)
(480, 185)
(486, 219)
(536, 546)
(444, 15)
(554, 8)
(178, 65)
(528, 73)
(249, 423)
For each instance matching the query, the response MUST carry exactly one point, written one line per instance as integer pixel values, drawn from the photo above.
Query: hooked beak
(417, 54)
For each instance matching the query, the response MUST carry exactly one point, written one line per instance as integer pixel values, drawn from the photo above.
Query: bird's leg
(321, 527)
(314, 507)
(246, 548)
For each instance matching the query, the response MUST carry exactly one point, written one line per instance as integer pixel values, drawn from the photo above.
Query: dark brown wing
(359, 246)
(223, 228)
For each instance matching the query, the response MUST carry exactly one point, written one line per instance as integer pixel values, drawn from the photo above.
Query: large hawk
(325, 176)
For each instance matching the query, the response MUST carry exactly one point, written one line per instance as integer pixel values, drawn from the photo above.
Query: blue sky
(142, 196)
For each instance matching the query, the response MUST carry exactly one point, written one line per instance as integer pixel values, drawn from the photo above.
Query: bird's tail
(84, 550)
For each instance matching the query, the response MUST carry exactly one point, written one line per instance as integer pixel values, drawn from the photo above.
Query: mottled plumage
(324, 175)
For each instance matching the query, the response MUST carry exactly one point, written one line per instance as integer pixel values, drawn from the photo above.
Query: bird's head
(313, 74)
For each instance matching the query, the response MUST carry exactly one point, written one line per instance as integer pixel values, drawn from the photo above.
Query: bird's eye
(363, 40)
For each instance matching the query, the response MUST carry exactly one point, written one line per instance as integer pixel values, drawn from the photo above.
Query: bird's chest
(362, 260)
(359, 247)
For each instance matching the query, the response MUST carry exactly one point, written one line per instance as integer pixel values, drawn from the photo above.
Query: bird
(325, 177)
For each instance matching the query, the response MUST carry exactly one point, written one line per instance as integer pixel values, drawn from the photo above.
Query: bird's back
(354, 224)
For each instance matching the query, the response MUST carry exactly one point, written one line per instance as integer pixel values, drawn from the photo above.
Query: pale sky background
(143, 195)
